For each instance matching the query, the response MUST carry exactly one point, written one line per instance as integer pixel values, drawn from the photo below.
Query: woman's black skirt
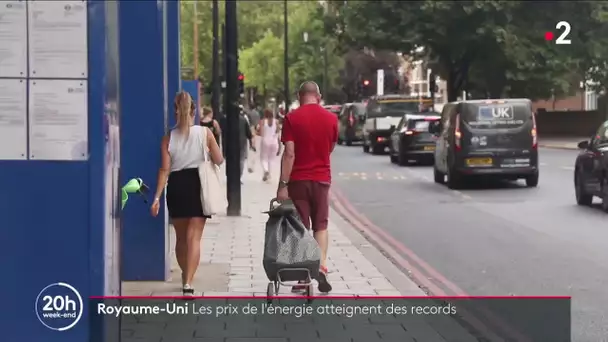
(184, 194)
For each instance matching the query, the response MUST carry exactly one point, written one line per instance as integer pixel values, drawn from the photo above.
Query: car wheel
(376, 149)
(402, 160)
(339, 141)
(438, 176)
(605, 196)
(532, 181)
(365, 148)
(349, 142)
(393, 159)
(582, 198)
(454, 179)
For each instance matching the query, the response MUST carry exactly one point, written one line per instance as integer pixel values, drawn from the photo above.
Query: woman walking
(182, 150)
(269, 131)
(208, 121)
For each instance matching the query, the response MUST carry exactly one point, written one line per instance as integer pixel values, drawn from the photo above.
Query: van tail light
(534, 132)
(457, 134)
(409, 132)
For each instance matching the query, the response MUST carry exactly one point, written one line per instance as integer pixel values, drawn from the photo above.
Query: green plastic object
(134, 186)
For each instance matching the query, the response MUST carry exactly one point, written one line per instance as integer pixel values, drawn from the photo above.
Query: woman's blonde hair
(206, 111)
(184, 111)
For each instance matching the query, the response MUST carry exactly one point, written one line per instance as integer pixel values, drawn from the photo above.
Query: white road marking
(569, 168)
(542, 164)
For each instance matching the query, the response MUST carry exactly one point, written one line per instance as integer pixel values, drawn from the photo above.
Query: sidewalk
(566, 143)
(231, 265)
(231, 258)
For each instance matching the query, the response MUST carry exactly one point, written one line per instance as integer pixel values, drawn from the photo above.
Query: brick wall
(574, 102)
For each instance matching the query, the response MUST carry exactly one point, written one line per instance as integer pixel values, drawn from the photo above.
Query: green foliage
(495, 48)
(307, 58)
(260, 32)
(262, 64)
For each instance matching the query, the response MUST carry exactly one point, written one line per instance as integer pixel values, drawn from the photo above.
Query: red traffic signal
(241, 77)
(366, 82)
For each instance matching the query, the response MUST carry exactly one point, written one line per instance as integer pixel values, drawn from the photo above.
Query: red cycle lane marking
(419, 276)
(378, 235)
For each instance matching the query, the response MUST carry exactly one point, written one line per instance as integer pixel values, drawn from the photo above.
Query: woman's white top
(270, 131)
(187, 152)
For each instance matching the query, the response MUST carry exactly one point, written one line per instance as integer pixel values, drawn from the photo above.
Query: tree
(262, 64)
(495, 47)
(307, 58)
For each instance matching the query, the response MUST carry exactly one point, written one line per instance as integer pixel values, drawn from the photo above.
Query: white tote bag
(213, 195)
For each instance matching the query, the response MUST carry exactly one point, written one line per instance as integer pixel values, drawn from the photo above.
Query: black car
(591, 169)
(490, 138)
(383, 112)
(411, 140)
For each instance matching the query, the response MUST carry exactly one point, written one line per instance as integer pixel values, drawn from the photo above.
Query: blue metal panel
(145, 249)
(173, 56)
(192, 87)
(54, 217)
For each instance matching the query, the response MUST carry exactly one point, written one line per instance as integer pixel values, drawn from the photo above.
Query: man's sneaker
(188, 291)
(324, 285)
(299, 288)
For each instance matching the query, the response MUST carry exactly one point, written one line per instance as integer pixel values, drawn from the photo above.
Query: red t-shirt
(314, 131)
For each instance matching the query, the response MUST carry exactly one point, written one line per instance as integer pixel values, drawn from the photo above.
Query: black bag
(288, 245)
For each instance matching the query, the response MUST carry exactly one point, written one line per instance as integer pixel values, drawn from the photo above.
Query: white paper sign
(58, 120)
(13, 39)
(13, 119)
(58, 39)
(380, 82)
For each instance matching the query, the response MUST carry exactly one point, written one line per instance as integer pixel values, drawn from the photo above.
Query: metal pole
(233, 170)
(195, 40)
(215, 72)
(286, 57)
(195, 59)
(325, 73)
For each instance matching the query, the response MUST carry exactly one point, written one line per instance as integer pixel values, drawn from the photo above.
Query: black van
(486, 138)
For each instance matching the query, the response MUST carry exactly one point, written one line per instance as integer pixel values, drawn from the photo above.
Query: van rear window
(497, 116)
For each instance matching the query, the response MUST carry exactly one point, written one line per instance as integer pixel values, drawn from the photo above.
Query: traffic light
(241, 83)
(366, 83)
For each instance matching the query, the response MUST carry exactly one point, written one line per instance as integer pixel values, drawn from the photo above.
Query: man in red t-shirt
(309, 135)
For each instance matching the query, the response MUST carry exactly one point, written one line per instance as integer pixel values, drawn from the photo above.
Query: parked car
(333, 108)
(591, 167)
(350, 124)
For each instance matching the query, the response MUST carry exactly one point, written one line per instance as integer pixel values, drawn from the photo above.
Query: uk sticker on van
(495, 113)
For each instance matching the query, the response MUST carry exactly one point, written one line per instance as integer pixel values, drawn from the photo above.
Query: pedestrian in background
(208, 121)
(309, 135)
(245, 140)
(253, 117)
(269, 148)
(182, 151)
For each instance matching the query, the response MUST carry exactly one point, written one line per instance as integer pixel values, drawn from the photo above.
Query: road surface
(489, 240)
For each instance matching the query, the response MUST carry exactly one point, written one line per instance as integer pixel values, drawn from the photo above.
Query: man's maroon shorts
(312, 202)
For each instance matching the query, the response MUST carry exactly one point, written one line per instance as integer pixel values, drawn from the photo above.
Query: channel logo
(59, 306)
